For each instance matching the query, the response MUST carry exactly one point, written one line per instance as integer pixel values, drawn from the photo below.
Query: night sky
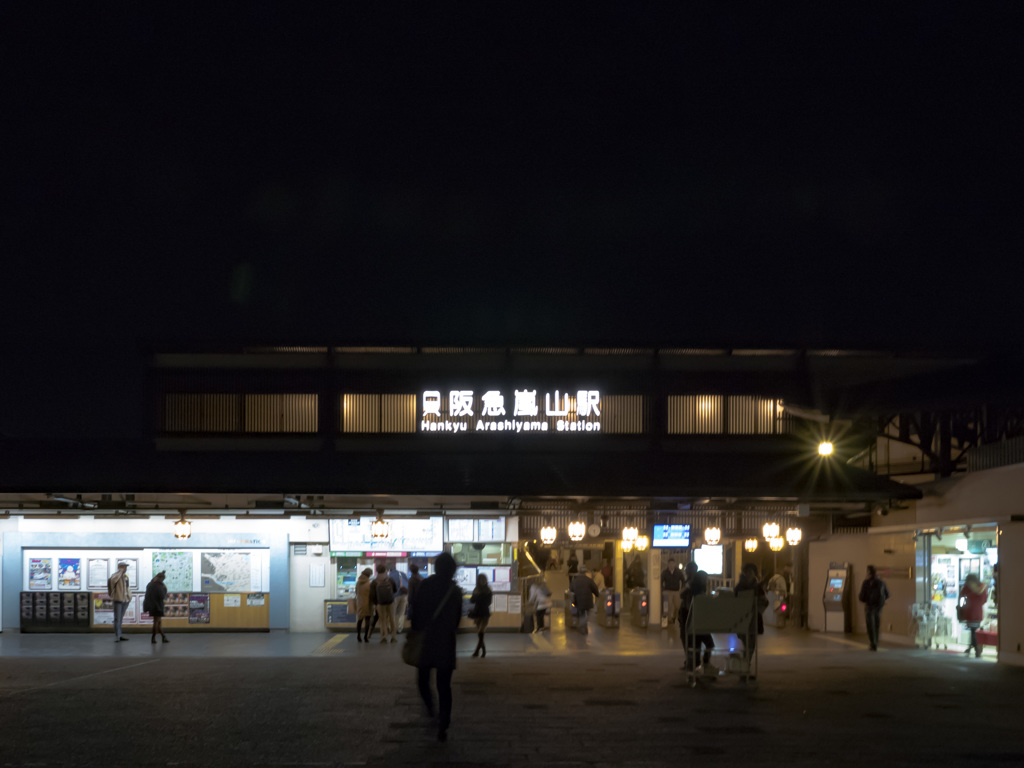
(723, 175)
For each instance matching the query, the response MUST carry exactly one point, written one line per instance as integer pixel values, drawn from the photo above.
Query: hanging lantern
(770, 531)
(548, 534)
(629, 533)
(627, 546)
(776, 543)
(642, 542)
(379, 528)
(793, 536)
(750, 545)
(712, 535)
(182, 528)
(577, 530)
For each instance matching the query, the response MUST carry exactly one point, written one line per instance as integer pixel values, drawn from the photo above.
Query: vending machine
(838, 598)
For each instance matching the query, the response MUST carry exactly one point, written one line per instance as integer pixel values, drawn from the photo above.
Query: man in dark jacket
(584, 590)
(436, 612)
(671, 584)
(696, 584)
(873, 593)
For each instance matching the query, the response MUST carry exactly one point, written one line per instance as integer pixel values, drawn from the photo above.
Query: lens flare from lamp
(712, 535)
(750, 545)
(548, 534)
(770, 531)
(775, 543)
(577, 530)
(793, 536)
(642, 542)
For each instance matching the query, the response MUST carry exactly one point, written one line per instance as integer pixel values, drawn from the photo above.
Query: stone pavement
(613, 698)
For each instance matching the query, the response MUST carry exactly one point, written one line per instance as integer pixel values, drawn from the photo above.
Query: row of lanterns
(713, 535)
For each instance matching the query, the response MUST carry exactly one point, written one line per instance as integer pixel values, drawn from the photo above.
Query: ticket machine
(838, 598)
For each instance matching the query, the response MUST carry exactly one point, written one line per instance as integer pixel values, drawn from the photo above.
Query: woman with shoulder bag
(971, 609)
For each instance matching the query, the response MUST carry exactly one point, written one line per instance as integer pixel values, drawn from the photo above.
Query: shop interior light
(793, 536)
(825, 448)
(577, 530)
(548, 534)
(775, 544)
(379, 528)
(712, 535)
(182, 528)
(961, 544)
(642, 542)
(770, 531)
(750, 545)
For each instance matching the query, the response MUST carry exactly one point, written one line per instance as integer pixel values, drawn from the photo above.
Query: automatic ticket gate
(607, 610)
(572, 619)
(838, 598)
(639, 607)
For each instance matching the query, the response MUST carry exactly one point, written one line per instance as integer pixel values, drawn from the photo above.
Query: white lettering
(587, 400)
(431, 403)
(494, 403)
(461, 402)
(526, 403)
(549, 411)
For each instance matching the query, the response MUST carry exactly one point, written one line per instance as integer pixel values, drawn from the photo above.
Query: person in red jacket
(973, 596)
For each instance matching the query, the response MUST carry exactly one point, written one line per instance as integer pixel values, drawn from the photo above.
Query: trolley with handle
(724, 614)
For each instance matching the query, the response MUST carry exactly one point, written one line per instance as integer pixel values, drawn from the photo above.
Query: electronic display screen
(835, 584)
(676, 535)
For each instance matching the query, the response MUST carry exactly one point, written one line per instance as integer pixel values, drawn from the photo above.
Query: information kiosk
(838, 599)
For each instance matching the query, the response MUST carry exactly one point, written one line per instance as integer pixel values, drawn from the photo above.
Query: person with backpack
(382, 594)
(873, 593)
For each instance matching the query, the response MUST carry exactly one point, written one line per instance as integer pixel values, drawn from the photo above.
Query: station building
(296, 467)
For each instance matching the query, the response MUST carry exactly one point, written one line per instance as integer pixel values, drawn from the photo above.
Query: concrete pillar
(653, 566)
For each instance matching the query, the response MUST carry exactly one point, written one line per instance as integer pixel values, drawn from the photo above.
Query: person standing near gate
(584, 590)
(671, 584)
(873, 593)
(120, 591)
(382, 593)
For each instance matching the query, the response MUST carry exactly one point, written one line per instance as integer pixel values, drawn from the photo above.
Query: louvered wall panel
(624, 414)
(360, 413)
(281, 413)
(398, 413)
(201, 413)
(695, 414)
(752, 415)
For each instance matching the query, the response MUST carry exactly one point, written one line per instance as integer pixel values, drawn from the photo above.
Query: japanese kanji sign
(463, 410)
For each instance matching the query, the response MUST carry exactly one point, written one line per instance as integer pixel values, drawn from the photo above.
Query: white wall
(1011, 594)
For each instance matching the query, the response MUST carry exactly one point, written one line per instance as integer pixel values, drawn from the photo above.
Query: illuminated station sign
(525, 411)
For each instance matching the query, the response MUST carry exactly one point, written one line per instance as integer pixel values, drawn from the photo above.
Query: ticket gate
(607, 609)
(639, 607)
(572, 619)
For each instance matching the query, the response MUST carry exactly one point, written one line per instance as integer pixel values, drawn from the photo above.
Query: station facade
(282, 459)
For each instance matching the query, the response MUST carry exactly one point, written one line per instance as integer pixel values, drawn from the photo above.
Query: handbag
(412, 651)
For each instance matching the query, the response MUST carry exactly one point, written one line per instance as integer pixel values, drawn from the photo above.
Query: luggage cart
(930, 625)
(731, 614)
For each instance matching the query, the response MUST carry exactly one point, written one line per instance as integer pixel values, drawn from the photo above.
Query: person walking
(120, 590)
(671, 585)
(401, 597)
(364, 609)
(584, 591)
(481, 612)
(749, 581)
(873, 593)
(606, 571)
(414, 582)
(382, 593)
(540, 598)
(573, 565)
(436, 612)
(781, 587)
(635, 576)
(696, 584)
(153, 604)
(971, 604)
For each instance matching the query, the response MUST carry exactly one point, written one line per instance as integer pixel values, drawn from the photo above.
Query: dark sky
(727, 174)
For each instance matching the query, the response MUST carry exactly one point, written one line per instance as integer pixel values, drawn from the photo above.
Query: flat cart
(724, 614)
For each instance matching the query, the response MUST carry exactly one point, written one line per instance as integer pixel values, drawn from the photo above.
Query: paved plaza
(616, 697)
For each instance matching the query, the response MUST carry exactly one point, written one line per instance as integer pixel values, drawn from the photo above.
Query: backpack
(385, 592)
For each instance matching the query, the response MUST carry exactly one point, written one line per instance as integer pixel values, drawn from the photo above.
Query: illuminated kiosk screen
(677, 535)
(709, 559)
(835, 584)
